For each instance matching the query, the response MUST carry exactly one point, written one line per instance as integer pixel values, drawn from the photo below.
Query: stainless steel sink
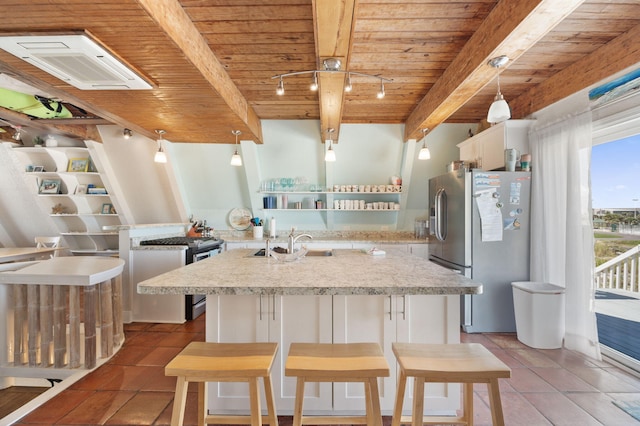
(312, 253)
(260, 253)
(325, 253)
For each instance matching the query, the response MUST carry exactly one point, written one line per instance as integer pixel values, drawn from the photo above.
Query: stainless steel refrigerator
(479, 223)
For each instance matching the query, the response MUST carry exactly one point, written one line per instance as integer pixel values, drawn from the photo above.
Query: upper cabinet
(71, 190)
(487, 147)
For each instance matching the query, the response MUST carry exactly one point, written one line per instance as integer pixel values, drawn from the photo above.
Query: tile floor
(547, 387)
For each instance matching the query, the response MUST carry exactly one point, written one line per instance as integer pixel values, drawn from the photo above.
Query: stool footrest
(334, 420)
(436, 420)
(220, 419)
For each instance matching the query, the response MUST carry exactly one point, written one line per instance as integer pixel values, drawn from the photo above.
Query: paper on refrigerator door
(490, 214)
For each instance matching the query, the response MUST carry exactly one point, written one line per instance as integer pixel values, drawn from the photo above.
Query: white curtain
(561, 225)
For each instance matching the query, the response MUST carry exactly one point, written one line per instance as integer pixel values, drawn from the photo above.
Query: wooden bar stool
(203, 362)
(466, 363)
(347, 362)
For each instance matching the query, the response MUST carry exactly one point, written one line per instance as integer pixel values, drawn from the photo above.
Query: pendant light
(330, 155)
(127, 133)
(424, 153)
(161, 156)
(236, 160)
(499, 110)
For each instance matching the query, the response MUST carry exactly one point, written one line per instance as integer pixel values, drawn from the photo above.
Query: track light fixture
(17, 136)
(127, 133)
(236, 160)
(161, 156)
(280, 88)
(347, 86)
(331, 66)
(330, 155)
(424, 153)
(499, 110)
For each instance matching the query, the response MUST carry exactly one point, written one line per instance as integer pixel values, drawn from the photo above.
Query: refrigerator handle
(441, 214)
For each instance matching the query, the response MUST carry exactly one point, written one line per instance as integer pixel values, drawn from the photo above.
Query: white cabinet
(164, 308)
(327, 319)
(388, 319)
(429, 319)
(487, 147)
(73, 193)
(420, 250)
(281, 319)
(365, 319)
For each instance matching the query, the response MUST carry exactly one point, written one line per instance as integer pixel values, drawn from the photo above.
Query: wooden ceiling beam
(512, 28)
(175, 22)
(620, 53)
(333, 28)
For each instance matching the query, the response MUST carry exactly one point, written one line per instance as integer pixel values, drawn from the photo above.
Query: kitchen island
(349, 296)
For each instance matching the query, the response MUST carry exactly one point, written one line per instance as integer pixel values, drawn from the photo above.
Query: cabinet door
(163, 308)
(493, 152)
(420, 250)
(365, 319)
(234, 319)
(234, 245)
(303, 319)
(468, 150)
(430, 319)
(281, 319)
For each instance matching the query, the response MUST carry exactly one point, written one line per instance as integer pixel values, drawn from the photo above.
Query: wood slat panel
(414, 42)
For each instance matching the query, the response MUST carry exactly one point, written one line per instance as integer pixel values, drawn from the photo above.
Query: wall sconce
(499, 110)
(236, 160)
(127, 133)
(330, 155)
(332, 66)
(161, 156)
(424, 153)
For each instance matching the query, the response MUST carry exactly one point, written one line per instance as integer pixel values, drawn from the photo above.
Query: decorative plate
(240, 219)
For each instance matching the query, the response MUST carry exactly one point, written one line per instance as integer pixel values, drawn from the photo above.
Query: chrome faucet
(293, 238)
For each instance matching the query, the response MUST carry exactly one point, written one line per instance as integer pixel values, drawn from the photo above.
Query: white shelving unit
(372, 201)
(80, 216)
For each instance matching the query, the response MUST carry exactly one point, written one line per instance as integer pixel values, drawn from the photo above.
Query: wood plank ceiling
(212, 61)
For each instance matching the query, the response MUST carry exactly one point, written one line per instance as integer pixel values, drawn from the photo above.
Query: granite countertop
(238, 272)
(373, 237)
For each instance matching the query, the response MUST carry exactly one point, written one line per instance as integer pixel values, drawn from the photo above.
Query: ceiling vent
(75, 59)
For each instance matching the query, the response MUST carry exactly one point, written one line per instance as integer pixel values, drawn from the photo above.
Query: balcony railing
(621, 272)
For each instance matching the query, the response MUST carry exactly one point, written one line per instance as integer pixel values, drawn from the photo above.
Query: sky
(615, 174)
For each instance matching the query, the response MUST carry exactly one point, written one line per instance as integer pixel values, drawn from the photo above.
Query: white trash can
(539, 312)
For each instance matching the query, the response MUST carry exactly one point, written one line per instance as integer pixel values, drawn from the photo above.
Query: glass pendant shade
(499, 110)
(160, 156)
(424, 154)
(330, 155)
(236, 160)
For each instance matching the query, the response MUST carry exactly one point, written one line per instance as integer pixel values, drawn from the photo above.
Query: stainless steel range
(199, 248)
